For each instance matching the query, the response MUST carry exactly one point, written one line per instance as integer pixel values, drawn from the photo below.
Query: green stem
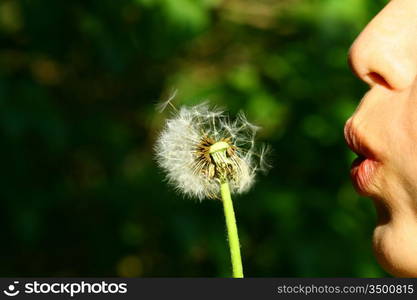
(233, 237)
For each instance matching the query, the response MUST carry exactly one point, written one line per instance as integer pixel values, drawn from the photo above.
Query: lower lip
(362, 173)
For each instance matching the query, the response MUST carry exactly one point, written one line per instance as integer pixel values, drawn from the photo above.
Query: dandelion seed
(186, 150)
(168, 102)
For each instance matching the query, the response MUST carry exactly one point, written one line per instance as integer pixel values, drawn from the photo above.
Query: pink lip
(364, 167)
(362, 173)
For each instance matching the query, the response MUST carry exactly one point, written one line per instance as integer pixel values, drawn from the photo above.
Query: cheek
(403, 145)
(409, 114)
(401, 137)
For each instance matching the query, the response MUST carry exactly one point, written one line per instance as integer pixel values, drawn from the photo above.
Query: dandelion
(207, 155)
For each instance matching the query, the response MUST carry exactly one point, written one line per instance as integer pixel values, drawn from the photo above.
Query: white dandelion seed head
(184, 151)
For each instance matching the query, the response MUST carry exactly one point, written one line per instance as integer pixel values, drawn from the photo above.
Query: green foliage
(81, 193)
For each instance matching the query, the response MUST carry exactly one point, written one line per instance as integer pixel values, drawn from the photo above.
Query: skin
(384, 55)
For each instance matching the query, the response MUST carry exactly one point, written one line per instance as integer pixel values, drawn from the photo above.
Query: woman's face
(383, 131)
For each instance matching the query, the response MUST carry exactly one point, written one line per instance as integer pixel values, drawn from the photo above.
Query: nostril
(378, 79)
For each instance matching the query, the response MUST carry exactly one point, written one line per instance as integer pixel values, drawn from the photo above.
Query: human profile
(383, 132)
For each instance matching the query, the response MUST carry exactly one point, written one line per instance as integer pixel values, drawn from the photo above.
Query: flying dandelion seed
(200, 147)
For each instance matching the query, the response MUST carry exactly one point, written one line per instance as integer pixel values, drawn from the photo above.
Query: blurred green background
(80, 191)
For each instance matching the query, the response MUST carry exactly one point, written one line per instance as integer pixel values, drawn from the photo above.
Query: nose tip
(381, 55)
(352, 60)
(364, 67)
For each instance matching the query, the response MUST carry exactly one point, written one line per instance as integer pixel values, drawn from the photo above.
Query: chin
(395, 246)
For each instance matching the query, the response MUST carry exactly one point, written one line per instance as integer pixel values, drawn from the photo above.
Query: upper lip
(356, 142)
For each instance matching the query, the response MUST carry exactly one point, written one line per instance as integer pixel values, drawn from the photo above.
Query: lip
(365, 166)
(362, 173)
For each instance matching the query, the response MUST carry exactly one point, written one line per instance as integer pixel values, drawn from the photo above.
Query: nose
(385, 53)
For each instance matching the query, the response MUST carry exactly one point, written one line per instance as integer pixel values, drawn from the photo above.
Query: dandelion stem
(233, 237)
